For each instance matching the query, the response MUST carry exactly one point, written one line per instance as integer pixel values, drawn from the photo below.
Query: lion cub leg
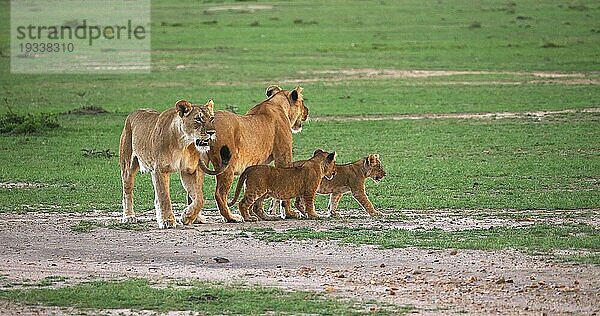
(259, 210)
(334, 201)
(128, 174)
(309, 206)
(192, 183)
(362, 198)
(162, 200)
(247, 202)
(289, 212)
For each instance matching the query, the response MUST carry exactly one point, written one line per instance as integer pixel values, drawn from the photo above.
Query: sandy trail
(478, 116)
(37, 245)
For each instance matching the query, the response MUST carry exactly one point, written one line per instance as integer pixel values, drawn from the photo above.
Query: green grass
(516, 164)
(207, 299)
(537, 238)
(473, 164)
(86, 226)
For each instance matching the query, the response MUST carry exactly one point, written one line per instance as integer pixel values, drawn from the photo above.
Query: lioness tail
(225, 157)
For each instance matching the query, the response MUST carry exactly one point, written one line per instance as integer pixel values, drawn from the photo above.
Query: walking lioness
(262, 135)
(163, 143)
(285, 183)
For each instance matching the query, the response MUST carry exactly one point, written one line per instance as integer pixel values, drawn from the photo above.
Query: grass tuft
(209, 299)
(537, 238)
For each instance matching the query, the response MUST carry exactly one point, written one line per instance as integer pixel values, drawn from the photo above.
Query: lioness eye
(199, 119)
(212, 119)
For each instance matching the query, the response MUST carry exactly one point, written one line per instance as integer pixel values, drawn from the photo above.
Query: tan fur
(285, 183)
(262, 135)
(163, 143)
(351, 178)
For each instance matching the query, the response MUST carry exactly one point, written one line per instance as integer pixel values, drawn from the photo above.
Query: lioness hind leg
(162, 201)
(192, 183)
(128, 173)
(224, 181)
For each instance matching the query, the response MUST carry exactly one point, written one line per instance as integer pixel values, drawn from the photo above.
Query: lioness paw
(169, 223)
(129, 219)
(375, 213)
(201, 219)
(236, 219)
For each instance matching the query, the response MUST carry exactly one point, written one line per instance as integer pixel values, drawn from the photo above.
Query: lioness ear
(331, 156)
(299, 89)
(210, 105)
(271, 90)
(318, 151)
(294, 95)
(183, 107)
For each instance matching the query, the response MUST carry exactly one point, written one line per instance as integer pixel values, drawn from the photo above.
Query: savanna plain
(485, 115)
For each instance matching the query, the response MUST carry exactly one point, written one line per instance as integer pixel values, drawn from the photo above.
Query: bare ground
(495, 115)
(38, 245)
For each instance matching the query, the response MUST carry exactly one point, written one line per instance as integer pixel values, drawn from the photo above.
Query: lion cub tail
(238, 188)
(225, 157)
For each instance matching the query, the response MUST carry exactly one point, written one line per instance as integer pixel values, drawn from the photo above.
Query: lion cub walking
(285, 183)
(350, 177)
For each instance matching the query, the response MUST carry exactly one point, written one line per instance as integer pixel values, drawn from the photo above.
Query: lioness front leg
(362, 198)
(334, 201)
(162, 200)
(224, 181)
(192, 183)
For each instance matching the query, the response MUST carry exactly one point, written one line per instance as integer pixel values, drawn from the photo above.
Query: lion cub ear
(271, 90)
(331, 156)
(318, 151)
(373, 159)
(183, 107)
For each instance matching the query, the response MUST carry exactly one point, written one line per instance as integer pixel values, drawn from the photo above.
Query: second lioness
(285, 183)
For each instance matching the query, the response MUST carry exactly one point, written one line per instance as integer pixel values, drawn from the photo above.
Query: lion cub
(299, 181)
(350, 177)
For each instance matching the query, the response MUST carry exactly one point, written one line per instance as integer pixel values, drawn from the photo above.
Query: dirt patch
(239, 8)
(495, 115)
(21, 185)
(38, 245)
(371, 73)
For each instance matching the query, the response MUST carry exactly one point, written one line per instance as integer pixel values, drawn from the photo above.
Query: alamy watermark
(80, 36)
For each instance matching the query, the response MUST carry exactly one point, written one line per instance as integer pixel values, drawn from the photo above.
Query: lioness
(349, 177)
(163, 143)
(285, 183)
(262, 135)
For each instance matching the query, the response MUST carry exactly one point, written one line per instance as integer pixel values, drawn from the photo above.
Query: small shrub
(475, 25)
(12, 123)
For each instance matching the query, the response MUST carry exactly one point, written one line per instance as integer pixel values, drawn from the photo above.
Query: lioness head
(328, 163)
(197, 123)
(374, 168)
(298, 112)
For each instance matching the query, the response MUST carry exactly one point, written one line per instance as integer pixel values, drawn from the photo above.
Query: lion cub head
(327, 163)
(374, 168)
(197, 123)
(298, 111)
